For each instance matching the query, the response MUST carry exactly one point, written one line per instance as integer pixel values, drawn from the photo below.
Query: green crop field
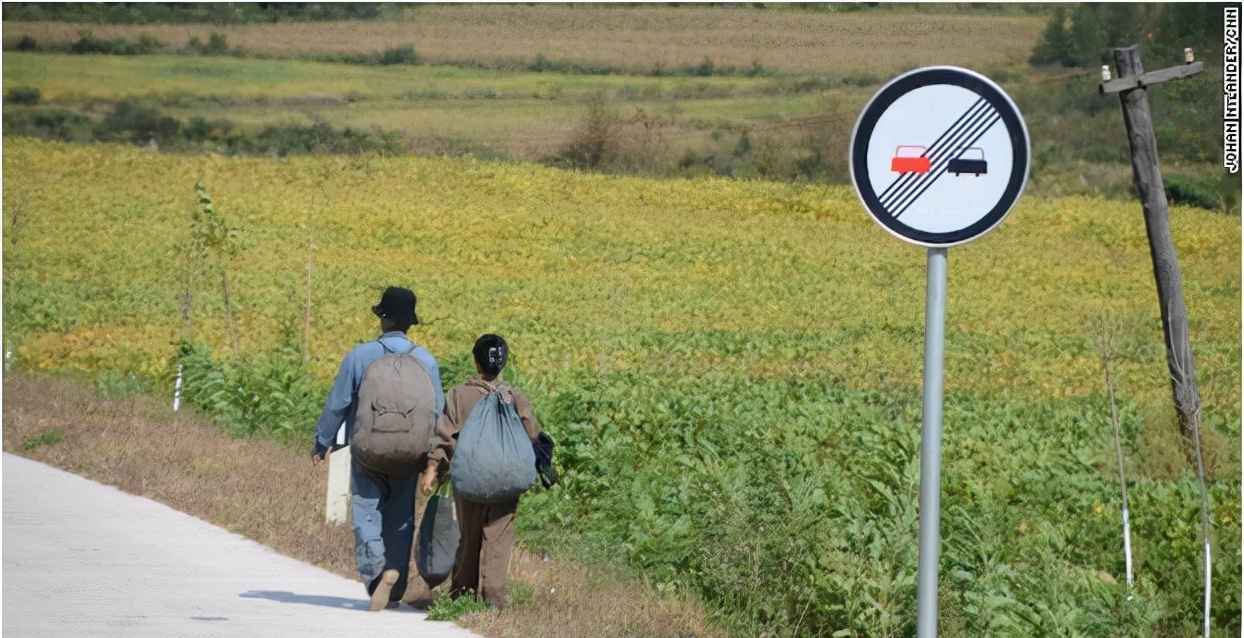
(731, 367)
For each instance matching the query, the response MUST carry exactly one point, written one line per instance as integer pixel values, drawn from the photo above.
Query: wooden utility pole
(1132, 85)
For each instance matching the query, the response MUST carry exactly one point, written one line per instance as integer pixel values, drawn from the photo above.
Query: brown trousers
(483, 559)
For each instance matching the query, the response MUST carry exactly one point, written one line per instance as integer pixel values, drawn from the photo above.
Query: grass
(446, 608)
(48, 437)
(170, 77)
(637, 39)
(270, 493)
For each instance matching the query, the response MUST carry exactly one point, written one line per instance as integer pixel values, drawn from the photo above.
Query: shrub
(1194, 191)
(540, 64)
(704, 68)
(217, 44)
(267, 394)
(25, 95)
(115, 385)
(399, 55)
(87, 43)
(139, 123)
(26, 43)
(596, 140)
(147, 43)
(200, 129)
(51, 124)
(317, 138)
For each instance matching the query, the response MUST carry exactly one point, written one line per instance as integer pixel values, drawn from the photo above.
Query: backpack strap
(389, 350)
(499, 388)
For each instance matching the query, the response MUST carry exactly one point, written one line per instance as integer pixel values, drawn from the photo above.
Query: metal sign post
(931, 444)
(938, 158)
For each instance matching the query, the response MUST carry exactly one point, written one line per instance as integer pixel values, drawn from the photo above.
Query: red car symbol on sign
(906, 162)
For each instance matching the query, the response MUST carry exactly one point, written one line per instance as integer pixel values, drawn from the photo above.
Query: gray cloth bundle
(494, 461)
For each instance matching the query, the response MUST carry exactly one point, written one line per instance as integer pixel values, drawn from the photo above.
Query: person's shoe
(380, 595)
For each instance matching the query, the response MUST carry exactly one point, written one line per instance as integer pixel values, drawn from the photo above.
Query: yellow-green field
(634, 38)
(595, 271)
(731, 368)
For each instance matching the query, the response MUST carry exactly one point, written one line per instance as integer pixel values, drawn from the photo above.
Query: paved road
(85, 559)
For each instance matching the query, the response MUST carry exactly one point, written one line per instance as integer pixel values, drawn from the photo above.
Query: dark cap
(398, 305)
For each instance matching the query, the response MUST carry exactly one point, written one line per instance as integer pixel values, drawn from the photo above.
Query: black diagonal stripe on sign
(906, 178)
(939, 169)
(943, 170)
(932, 146)
(953, 150)
(948, 147)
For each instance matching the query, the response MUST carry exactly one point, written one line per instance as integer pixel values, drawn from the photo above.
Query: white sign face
(939, 156)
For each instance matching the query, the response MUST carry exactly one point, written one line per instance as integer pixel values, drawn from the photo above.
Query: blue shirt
(342, 402)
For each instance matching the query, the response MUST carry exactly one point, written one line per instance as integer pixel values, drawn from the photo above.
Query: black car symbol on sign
(961, 165)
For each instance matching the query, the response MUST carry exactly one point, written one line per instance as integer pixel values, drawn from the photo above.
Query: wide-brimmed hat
(398, 305)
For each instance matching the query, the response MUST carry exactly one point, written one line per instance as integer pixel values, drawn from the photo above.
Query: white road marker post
(177, 390)
(939, 157)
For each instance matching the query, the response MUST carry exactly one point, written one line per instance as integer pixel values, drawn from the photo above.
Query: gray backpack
(396, 415)
(494, 461)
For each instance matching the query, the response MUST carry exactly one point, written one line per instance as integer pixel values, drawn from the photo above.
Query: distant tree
(1088, 36)
(1196, 25)
(1054, 47)
(1084, 37)
(1126, 24)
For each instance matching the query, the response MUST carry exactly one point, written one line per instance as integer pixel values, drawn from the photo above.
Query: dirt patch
(562, 600)
(272, 494)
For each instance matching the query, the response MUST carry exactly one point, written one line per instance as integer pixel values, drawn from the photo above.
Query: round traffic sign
(939, 156)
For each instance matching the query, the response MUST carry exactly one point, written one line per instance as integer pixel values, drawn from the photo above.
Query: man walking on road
(382, 504)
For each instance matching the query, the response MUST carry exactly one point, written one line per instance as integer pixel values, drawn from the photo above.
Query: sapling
(1185, 391)
(1105, 347)
(306, 308)
(211, 236)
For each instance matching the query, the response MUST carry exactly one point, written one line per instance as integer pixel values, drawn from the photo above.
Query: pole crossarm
(1148, 79)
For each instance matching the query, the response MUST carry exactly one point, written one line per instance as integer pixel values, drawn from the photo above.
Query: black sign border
(910, 82)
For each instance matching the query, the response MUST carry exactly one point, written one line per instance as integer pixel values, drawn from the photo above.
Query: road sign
(939, 156)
